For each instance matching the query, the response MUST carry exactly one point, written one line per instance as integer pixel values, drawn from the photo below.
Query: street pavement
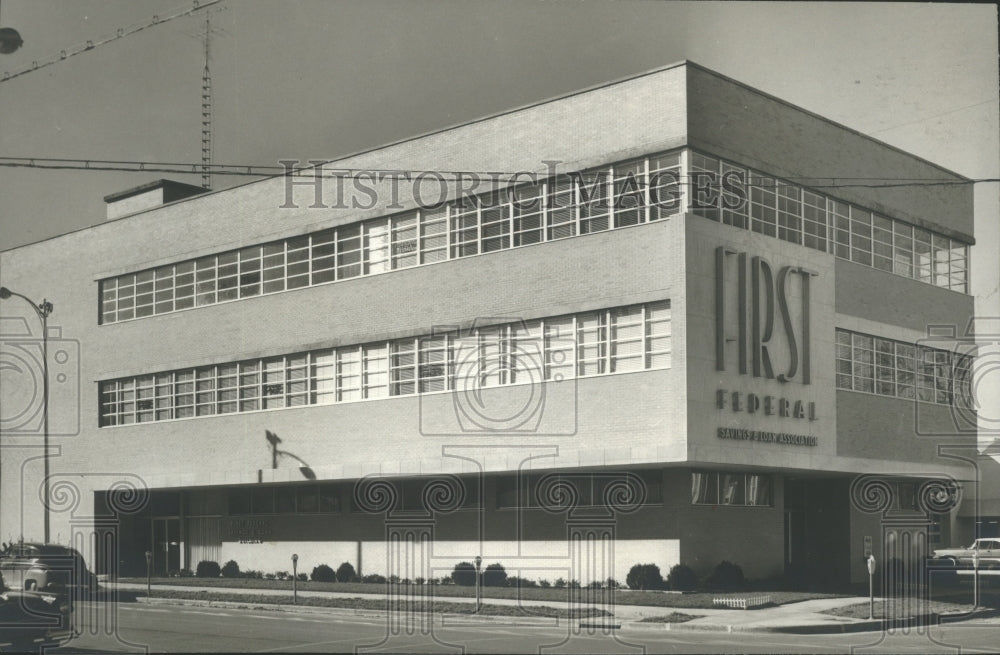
(156, 628)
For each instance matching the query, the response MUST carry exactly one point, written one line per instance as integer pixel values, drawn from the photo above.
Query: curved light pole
(43, 309)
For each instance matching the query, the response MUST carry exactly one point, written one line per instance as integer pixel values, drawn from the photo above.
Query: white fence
(743, 602)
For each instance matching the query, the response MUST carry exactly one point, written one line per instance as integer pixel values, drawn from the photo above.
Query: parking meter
(871, 585)
(295, 579)
(149, 562)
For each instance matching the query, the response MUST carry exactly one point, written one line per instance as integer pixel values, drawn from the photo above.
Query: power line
(318, 170)
(122, 32)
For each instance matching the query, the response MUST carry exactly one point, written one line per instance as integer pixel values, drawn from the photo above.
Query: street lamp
(43, 309)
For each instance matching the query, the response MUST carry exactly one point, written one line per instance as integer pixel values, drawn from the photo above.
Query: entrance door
(166, 546)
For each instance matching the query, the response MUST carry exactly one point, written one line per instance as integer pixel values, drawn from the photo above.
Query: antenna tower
(206, 110)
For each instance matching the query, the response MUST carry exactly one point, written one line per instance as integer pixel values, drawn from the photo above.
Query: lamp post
(43, 309)
(479, 583)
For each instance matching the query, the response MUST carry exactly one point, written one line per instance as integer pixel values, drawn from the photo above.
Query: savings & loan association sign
(771, 312)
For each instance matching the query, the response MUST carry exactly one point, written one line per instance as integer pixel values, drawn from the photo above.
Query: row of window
(731, 488)
(621, 339)
(789, 212)
(615, 196)
(618, 195)
(893, 368)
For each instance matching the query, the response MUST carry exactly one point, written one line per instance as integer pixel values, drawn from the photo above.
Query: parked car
(33, 620)
(28, 566)
(987, 551)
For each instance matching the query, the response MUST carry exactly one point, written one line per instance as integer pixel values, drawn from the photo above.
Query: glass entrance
(166, 542)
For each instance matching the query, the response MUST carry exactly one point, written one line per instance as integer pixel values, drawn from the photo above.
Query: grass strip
(405, 604)
(673, 617)
(694, 600)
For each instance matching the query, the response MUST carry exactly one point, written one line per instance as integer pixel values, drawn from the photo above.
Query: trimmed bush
(323, 573)
(495, 575)
(231, 569)
(374, 578)
(207, 569)
(644, 576)
(346, 572)
(464, 574)
(726, 576)
(682, 578)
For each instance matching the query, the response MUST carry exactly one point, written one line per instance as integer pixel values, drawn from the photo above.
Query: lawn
(673, 617)
(440, 607)
(901, 609)
(694, 600)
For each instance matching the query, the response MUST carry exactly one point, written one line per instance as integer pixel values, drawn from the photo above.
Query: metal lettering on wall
(249, 531)
(763, 301)
(763, 436)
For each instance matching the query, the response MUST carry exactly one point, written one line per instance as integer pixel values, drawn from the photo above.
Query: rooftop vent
(147, 196)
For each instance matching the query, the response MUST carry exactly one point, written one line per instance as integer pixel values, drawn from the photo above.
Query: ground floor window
(731, 488)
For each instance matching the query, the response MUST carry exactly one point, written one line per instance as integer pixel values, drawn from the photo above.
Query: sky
(317, 79)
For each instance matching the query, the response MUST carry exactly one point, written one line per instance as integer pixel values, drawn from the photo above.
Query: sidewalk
(803, 617)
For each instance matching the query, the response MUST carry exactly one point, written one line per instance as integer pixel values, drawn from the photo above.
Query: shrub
(250, 573)
(231, 569)
(394, 579)
(544, 584)
(726, 576)
(682, 578)
(596, 584)
(560, 583)
(374, 578)
(573, 584)
(281, 575)
(208, 569)
(346, 572)
(611, 583)
(644, 576)
(419, 580)
(323, 573)
(495, 575)
(269, 576)
(186, 573)
(514, 581)
(464, 574)
(302, 577)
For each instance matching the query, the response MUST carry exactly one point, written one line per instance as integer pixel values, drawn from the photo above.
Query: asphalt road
(173, 628)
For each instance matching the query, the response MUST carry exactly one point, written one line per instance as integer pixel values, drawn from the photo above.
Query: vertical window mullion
(449, 226)
(543, 218)
(645, 190)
